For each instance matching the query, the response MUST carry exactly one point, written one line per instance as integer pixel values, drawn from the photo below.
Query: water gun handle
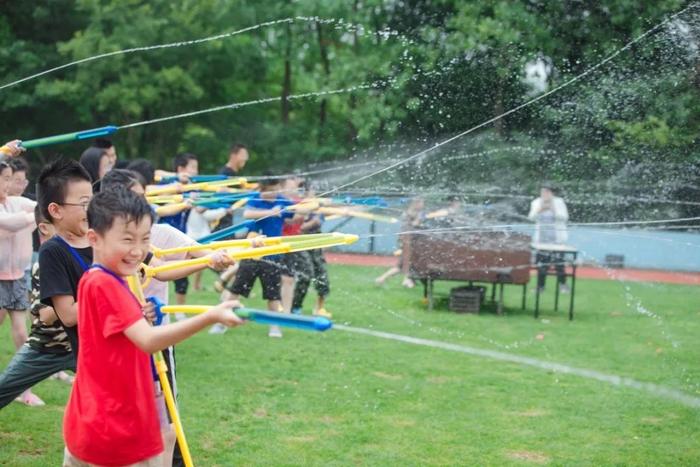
(158, 304)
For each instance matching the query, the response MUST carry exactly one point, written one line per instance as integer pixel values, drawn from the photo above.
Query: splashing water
(340, 24)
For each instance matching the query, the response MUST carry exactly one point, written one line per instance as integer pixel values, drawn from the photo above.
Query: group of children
(93, 237)
(285, 278)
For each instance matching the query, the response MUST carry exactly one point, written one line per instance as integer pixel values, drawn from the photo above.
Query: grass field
(340, 398)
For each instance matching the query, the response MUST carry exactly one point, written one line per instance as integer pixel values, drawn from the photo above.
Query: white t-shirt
(166, 236)
(198, 224)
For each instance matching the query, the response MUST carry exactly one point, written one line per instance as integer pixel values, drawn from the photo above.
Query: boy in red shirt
(111, 417)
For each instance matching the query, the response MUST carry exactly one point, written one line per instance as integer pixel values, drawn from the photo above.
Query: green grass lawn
(338, 398)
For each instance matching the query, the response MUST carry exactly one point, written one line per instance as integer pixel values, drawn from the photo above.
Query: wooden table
(493, 257)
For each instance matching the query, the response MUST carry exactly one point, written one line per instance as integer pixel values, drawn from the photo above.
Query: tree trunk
(287, 80)
(323, 50)
(352, 131)
(498, 109)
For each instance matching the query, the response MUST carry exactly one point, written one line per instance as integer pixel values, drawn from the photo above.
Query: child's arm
(15, 222)
(66, 309)
(47, 315)
(173, 209)
(161, 174)
(218, 261)
(26, 204)
(252, 213)
(296, 218)
(311, 223)
(153, 339)
(11, 149)
(212, 215)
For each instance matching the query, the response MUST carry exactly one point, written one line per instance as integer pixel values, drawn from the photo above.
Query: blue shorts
(14, 295)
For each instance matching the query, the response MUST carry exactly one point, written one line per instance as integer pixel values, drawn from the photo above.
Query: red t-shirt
(111, 416)
(292, 229)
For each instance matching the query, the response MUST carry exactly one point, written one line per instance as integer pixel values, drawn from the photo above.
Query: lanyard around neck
(75, 254)
(119, 279)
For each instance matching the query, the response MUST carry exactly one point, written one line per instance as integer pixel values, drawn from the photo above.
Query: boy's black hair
(120, 178)
(4, 165)
(90, 159)
(144, 168)
(118, 202)
(236, 147)
(18, 164)
(102, 143)
(38, 215)
(269, 180)
(52, 184)
(182, 159)
(121, 164)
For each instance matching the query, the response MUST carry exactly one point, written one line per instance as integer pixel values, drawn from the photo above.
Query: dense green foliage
(436, 68)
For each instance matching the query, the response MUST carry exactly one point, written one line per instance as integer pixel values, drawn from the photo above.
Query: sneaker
(323, 312)
(275, 331)
(30, 399)
(296, 311)
(218, 328)
(408, 283)
(218, 286)
(563, 288)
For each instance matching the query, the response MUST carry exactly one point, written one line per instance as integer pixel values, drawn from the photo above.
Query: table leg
(493, 292)
(500, 299)
(556, 296)
(524, 294)
(537, 302)
(430, 295)
(573, 291)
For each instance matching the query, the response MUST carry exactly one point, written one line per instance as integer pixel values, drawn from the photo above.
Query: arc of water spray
(384, 33)
(238, 105)
(572, 198)
(567, 83)
(615, 380)
(500, 227)
(145, 49)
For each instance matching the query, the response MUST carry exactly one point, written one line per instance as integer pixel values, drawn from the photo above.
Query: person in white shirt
(199, 225)
(550, 215)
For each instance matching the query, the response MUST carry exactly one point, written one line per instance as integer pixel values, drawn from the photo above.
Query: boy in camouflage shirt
(47, 335)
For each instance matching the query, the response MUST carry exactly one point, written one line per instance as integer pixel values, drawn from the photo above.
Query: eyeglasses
(82, 205)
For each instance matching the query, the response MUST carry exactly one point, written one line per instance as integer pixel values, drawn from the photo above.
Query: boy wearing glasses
(65, 190)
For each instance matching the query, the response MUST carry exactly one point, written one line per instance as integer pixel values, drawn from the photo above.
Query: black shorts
(270, 275)
(181, 285)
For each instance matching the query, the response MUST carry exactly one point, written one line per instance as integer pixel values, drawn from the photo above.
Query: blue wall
(644, 249)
